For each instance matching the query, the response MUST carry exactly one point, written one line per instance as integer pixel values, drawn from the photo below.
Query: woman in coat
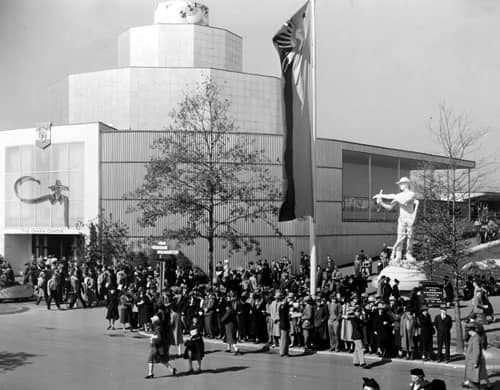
(195, 348)
(475, 364)
(157, 353)
(346, 327)
(259, 313)
(112, 305)
(125, 310)
(142, 319)
(230, 326)
(408, 331)
(321, 324)
(176, 331)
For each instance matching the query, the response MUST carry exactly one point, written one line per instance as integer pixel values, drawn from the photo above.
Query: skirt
(124, 315)
(156, 355)
(195, 349)
(112, 313)
(230, 333)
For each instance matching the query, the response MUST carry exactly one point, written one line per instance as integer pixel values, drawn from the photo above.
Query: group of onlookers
(7, 277)
(264, 303)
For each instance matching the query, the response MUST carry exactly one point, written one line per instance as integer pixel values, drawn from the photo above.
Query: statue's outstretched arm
(381, 196)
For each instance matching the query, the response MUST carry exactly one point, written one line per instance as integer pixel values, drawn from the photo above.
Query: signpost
(161, 248)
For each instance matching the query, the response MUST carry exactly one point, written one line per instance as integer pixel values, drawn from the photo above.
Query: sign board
(433, 293)
(167, 252)
(159, 247)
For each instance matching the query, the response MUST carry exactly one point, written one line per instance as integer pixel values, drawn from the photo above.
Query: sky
(384, 66)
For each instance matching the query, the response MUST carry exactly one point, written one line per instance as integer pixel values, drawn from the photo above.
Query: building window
(364, 175)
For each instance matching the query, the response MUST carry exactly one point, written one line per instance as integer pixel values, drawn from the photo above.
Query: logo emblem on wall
(43, 134)
(56, 195)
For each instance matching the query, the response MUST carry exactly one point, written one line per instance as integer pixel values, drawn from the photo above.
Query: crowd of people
(7, 276)
(266, 302)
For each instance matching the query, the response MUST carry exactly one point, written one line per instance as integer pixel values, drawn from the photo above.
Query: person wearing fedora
(475, 363)
(284, 323)
(443, 324)
(426, 333)
(408, 205)
(418, 381)
(370, 384)
(358, 357)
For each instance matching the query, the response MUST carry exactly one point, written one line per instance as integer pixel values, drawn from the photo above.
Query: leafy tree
(442, 228)
(211, 178)
(107, 240)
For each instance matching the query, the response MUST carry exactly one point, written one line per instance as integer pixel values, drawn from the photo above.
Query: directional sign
(159, 247)
(167, 252)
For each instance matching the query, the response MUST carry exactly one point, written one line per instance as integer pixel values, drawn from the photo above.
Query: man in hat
(395, 290)
(308, 322)
(284, 324)
(408, 205)
(443, 323)
(334, 317)
(417, 379)
(448, 292)
(275, 319)
(370, 384)
(382, 329)
(426, 333)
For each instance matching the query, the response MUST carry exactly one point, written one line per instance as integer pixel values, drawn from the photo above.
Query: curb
(251, 346)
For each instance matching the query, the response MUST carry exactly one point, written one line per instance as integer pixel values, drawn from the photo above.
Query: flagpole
(312, 232)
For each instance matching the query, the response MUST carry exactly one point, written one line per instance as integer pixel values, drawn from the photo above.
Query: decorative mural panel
(44, 187)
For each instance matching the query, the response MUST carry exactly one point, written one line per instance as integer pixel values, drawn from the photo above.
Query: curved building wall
(142, 98)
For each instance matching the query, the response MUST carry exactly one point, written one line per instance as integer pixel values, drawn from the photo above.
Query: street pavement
(71, 349)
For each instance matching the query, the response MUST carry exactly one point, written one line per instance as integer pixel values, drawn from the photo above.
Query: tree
(211, 178)
(107, 240)
(443, 227)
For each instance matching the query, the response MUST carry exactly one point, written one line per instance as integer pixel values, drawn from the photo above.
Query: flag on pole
(293, 43)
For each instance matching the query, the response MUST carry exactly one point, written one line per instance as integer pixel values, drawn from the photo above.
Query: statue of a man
(408, 205)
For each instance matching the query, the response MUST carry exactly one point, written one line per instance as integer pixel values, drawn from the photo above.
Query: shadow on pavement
(9, 361)
(208, 371)
(378, 363)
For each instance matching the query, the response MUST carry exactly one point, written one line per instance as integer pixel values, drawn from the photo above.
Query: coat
(408, 330)
(320, 322)
(230, 325)
(175, 328)
(443, 327)
(275, 318)
(474, 357)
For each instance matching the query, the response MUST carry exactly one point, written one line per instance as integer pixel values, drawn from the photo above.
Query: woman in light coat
(176, 336)
(408, 331)
(475, 364)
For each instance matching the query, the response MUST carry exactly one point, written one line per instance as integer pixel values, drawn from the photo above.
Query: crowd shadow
(209, 371)
(9, 361)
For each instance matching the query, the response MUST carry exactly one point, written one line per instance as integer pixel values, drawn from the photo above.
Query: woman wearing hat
(475, 364)
(230, 325)
(157, 353)
(112, 301)
(195, 348)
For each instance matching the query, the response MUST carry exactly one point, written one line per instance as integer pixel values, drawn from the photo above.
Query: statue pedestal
(409, 277)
